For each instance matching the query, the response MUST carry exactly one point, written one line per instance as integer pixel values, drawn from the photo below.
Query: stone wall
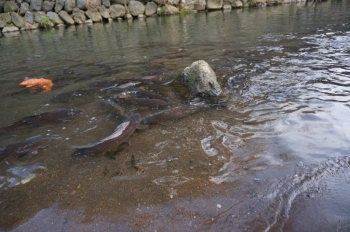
(18, 15)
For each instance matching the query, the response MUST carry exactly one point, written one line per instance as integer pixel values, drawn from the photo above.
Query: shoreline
(36, 14)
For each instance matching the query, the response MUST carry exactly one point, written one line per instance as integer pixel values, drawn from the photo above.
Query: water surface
(276, 158)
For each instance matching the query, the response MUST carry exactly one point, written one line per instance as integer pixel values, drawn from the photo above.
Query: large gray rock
(94, 4)
(10, 6)
(47, 6)
(199, 5)
(82, 4)
(78, 16)
(69, 5)
(29, 17)
(94, 15)
(172, 9)
(201, 79)
(54, 18)
(237, 4)
(136, 8)
(38, 15)
(5, 19)
(117, 11)
(151, 8)
(227, 7)
(59, 5)
(104, 12)
(8, 29)
(24, 8)
(17, 20)
(88, 4)
(35, 5)
(66, 17)
(106, 3)
(30, 26)
(214, 4)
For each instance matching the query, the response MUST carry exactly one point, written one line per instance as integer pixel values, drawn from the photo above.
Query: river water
(275, 158)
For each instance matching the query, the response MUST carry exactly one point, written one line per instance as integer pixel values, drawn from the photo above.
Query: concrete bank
(16, 15)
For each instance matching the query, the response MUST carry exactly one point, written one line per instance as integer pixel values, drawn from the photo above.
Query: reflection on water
(278, 147)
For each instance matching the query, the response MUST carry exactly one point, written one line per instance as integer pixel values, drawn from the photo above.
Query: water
(276, 158)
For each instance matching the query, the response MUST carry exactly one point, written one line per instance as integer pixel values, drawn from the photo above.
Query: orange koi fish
(43, 83)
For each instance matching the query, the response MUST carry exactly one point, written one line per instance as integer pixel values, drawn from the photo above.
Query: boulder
(136, 8)
(237, 4)
(94, 4)
(10, 6)
(104, 12)
(24, 8)
(117, 11)
(214, 4)
(54, 18)
(35, 5)
(200, 79)
(69, 5)
(88, 4)
(78, 16)
(94, 15)
(227, 7)
(128, 16)
(82, 4)
(17, 20)
(47, 6)
(199, 5)
(66, 17)
(38, 15)
(106, 3)
(30, 26)
(29, 17)
(59, 5)
(5, 19)
(8, 29)
(151, 8)
(172, 9)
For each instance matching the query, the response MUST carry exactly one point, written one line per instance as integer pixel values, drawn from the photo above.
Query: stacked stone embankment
(18, 15)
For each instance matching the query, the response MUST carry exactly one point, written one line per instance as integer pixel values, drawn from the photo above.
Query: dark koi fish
(70, 96)
(44, 118)
(20, 149)
(141, 102)
(171, 114)
(119, 136)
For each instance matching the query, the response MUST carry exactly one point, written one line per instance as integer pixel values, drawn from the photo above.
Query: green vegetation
(45, 22)
(251, 3)
(163, 11)
(185, 10)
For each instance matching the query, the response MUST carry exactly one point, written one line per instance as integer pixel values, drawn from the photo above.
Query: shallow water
(276, 158)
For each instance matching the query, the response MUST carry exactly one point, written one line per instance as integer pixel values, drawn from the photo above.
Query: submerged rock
(201, 79)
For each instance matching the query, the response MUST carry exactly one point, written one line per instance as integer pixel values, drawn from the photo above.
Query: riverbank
(34, 14)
